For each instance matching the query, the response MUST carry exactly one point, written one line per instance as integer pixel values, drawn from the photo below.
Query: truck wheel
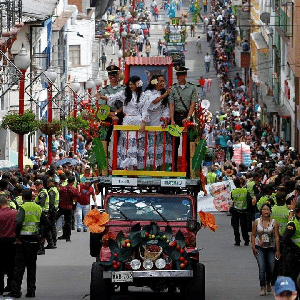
(99, 289)
(195, 288)
(95, 244)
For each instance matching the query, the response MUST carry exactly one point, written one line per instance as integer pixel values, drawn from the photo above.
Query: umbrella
(13, 158)
(205, 103)
(63, 161)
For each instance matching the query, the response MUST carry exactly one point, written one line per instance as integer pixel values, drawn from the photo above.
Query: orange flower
(96, 221)
(208, 220)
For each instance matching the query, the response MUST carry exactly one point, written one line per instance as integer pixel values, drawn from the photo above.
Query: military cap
(112, 70)
(180, 70)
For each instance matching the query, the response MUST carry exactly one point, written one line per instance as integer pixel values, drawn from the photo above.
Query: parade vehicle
(175, 36)
(148, 217)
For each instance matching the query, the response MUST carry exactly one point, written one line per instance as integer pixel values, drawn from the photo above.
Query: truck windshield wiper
(150, 204)
(118, 209)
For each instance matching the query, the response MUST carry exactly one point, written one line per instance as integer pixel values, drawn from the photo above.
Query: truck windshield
(149, 208)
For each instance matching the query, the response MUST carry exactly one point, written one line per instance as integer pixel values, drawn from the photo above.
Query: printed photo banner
(218, 197)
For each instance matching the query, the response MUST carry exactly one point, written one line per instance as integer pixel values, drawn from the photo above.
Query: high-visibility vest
(296, 236)
(12, 205)
(32, 218)
(19, 200)
(211, 177)
(55, 190)
(239, 197)
(281, 215)
(46, 206)
(250, 188)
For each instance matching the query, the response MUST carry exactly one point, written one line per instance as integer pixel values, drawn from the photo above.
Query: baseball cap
(38, 182)
(284, 284)
(280, 163)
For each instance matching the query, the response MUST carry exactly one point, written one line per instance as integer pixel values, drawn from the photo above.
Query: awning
(283, 112)
(38, 10)
(60, 21)
(259, 41)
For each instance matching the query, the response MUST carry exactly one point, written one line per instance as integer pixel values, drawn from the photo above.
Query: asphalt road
(231, 272)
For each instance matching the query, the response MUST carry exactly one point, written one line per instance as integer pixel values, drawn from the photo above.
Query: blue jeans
(207, 65)
(81, 211)
(266, 261)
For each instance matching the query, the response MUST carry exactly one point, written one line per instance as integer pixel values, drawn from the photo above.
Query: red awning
(148, 61)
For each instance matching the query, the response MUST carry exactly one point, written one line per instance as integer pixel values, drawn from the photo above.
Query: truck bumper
(155, 274)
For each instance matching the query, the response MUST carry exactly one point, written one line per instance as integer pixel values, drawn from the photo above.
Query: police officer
(32, 226)
(116, 111)
(241, 205)
(291, 240)
(42, 199)
(282, 214)
(182, 99)
(53, 208)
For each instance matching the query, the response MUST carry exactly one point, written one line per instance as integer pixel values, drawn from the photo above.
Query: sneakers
(68, 240)
(269, 287)
(14, 294)
(78, 229)
(61, 237)
(84, 230)
(30, 295)
(236, 244)
(262, 291)
(246, 243)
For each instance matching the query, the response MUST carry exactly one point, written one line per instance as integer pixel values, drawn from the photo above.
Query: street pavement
(231, 272)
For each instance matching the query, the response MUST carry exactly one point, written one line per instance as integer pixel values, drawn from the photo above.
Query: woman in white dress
(158, 114)
(131, 149)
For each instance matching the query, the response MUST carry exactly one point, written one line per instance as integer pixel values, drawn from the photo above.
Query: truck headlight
(160, 263)
(148, 264)
(135, 264)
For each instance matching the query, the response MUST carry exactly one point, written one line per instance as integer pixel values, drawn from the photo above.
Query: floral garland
(150, 237)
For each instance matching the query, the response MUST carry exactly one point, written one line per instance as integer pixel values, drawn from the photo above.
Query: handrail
(179, 173)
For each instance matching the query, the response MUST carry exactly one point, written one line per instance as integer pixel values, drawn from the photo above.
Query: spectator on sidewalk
(103, 61)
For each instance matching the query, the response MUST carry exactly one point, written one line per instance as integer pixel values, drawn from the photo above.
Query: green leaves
(99, 153)
(180, 239)
(20, 124)
(199, 155)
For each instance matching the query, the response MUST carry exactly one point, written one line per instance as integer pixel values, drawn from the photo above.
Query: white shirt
(207, 58)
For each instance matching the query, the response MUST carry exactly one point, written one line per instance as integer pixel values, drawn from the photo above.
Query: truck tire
(99, 289)
(195, 288)
(95, 244)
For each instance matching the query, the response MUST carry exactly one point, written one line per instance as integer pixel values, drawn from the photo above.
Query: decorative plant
(50, 128)
(148, 242)
(76, 123)
(20, 124)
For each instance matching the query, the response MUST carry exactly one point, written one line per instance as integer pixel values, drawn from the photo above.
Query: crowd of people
(265, 200)
(30, 206)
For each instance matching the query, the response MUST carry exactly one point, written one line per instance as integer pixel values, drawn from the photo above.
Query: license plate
(124, 276)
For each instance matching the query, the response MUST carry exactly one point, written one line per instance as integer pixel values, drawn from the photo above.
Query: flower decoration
(154, 81)
(139, 83)
(95, 220)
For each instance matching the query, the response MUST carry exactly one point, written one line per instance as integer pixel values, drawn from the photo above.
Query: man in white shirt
(207, 60)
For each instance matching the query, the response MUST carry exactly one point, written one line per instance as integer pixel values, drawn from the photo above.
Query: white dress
(131, 148)
(155, 114)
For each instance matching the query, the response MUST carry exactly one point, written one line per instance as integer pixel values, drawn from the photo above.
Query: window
(74, 52)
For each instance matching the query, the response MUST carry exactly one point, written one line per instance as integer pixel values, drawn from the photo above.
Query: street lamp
(105, 78)
(51, 76)
(120, 55)
(90, 85)
(123, 34)
(22, 62)
(75, 86)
